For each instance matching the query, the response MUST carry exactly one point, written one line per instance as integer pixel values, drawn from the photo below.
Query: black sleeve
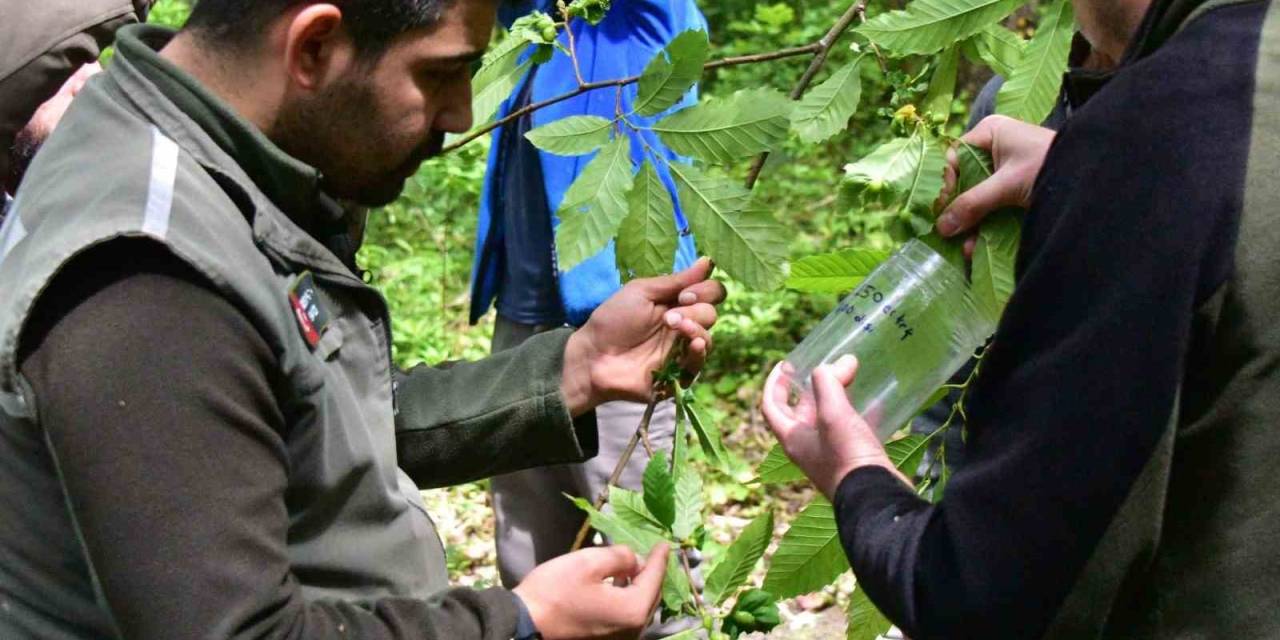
(157, 397)
(1131, 230)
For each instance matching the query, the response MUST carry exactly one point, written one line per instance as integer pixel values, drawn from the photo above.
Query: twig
(573, 48)
(618, 469)
(819, 59)
(622, 82)
(688, 572)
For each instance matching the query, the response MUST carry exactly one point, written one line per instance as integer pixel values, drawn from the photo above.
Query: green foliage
(647, 236)
(509, 61)
(825, 111)
(996, 47)
(809, 556)
(756, 610)
(777, 468)
(660, 489)
(671, 73)
(595, 204)
(721, 131)
(689, 505)
(743, 238)
(993, 260)
(593, 11)
(1031, 91)
(836, 272)
(739, 559)
(942, 86)
(928, 26)
(865, 620)
(572, 136)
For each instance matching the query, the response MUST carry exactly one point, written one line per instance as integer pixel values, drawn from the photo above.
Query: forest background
(419, 251)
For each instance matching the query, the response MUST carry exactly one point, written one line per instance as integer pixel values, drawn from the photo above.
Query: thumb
(666, 288)
(649, 580)
(969, 208)
(829, 382)
(983, 136)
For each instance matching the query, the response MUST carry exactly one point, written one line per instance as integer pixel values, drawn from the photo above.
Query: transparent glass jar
(912, 323)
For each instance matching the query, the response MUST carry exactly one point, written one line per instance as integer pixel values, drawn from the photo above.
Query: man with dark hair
(47, 51)
(1118, 478)
(248, 466)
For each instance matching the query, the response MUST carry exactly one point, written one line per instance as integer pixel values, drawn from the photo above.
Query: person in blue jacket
(516, 269)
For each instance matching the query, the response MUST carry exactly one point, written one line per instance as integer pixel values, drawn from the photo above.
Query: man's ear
(318, 47)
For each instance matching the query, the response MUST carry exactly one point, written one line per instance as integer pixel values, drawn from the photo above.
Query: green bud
(549, 32)
(744, 619)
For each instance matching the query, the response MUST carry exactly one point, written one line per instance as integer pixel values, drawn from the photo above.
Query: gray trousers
(535, 521)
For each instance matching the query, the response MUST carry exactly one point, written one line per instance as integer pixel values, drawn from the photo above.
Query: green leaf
(927, 26)
(676, 592)
(739, 559)
(629, 507)
(647, 236)
(923, 185)
(671, 73)
(572, 136)
(951, 249)
(594, 205)
(836, 272)
(974, 166)
(688, 505)
(809, 556)
(593, 11)
(942, 86)
(893, 164)
(660, 489)
(994, 260)
(1031, 92)
(825, 110)
(865, 620)
(755, 610)
(777, 468)
(535, 28)
(996, 47)
(906, 453)
(707, 432)
(490, 92)
(743, 238)
(721, 131)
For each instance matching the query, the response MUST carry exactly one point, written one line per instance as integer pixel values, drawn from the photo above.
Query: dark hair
(373, 24)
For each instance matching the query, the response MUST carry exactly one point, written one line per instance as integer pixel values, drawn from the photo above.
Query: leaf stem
(819, 59)
(688, 572)
(618, 469)
(622, 82)
(573, 47)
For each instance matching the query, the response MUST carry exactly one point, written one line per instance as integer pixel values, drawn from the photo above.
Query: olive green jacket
(145, 152)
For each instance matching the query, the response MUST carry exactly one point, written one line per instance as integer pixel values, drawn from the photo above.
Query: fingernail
(673, 318)
(688, 298)
(846, 360)
(947, 225)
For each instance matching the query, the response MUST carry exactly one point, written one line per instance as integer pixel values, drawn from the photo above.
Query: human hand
(614, 355)
(823, 434)
(1018, 150)
(50, 111)
(569, 598)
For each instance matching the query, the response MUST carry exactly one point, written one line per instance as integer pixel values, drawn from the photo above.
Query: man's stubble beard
(338, 133)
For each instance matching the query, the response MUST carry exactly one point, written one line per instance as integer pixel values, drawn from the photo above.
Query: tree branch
(819, 59)
(622, 82)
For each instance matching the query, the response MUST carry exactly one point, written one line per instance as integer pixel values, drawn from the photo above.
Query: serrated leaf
(676, 591)
(996, 47)
(1031, 92)
(777, 468)
(951, 249)
(688, 504)
(889, 164)
(660, 489)
(744, 239)
(974, 166)
(571, 136)
(707, 432)
(927, 26)
(629, 507)
(906, 453)
(836, 272)
(739, 559)
(942, 85)
(924, 184)
(865, 620)
(825, 110)
(809, 556)
(647, 236)
(488, 96)
(994, 260)
(594, 205)
(721, 131)
(671, 73)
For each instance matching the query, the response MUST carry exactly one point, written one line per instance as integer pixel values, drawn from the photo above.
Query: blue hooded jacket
(632, 32)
